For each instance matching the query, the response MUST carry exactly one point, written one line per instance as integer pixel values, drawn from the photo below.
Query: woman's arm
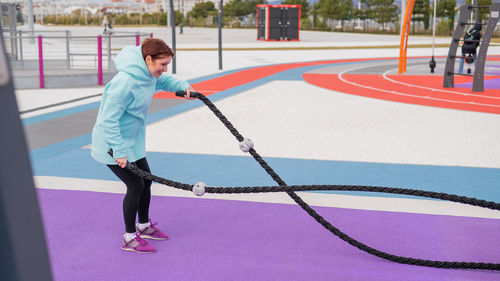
(117, 98)
(170, 84)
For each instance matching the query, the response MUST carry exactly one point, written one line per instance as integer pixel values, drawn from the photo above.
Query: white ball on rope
(199, 188)
(246, 145)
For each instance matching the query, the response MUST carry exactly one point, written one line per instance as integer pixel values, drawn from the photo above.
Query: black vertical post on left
(220, 34)
(24, 254)
(172, 22)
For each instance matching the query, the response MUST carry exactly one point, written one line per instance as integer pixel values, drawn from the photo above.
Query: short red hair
(155, 48)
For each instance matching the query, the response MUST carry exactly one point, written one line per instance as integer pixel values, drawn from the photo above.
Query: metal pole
(432, 63)
(359, 9)
(167, 11)
(40, 61)
(68, 63)
(434, 29)
(109, 50)
(99, 60)
(30, 20)
(403, 9)
(20, 45)
(474, 10)
(12, 29)
(172, 21)
(142, 10)
(220, 34)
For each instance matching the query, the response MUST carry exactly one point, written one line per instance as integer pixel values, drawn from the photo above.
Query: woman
(121, 128)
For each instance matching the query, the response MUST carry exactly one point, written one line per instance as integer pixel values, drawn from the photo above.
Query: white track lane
(432, 89)
(403, 94)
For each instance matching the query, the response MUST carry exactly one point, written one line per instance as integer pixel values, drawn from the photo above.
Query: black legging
(138, 195)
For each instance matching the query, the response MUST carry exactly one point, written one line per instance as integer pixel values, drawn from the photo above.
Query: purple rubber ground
(488, 84)
(232, 240)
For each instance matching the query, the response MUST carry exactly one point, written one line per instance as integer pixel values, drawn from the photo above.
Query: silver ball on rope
(246, 145)
(199, 188)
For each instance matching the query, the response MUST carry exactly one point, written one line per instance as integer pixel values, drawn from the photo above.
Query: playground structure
(465, 13)
(449, 72)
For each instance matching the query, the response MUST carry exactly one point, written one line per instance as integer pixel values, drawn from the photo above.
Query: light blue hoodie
(121, 121)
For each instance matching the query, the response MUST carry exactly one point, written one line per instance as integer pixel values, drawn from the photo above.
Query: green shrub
(443, 27)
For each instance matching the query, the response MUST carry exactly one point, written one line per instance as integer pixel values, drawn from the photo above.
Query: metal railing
(61, 50)
(67, 51)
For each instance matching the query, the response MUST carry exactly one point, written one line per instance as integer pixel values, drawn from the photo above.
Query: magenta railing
(100, 74)
(99, 61)
(40, 62)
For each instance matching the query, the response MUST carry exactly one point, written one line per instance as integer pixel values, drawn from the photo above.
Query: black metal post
(478, 82)
(172, 21)
(449, 69)
(220, 34)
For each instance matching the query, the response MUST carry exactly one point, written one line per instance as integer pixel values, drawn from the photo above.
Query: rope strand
(290, 190)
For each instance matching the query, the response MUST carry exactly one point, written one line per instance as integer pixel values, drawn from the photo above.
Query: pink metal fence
(100, 73)
(40, 61)
(99, 61)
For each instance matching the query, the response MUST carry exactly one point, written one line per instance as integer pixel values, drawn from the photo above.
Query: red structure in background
(278, 22)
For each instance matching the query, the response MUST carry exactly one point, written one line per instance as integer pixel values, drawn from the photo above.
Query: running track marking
(432, 89)
(402, 94)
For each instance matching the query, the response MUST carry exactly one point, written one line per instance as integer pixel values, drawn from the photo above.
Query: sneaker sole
(135, 251)
(154, 238)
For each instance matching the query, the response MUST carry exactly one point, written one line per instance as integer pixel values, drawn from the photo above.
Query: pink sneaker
(138, 245)
(152, 232)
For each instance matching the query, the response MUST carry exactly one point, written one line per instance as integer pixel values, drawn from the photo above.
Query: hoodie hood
(478, 27)
(130, 60)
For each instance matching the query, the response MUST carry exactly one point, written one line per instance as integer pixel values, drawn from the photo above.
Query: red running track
(424, 90)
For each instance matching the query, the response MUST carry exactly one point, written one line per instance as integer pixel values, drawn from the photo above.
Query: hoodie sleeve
(477, 36)
(118, 97)
(171, 84)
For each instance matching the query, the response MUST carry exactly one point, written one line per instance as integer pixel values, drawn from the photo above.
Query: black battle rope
(283, 187)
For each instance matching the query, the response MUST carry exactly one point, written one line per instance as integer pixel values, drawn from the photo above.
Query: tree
(367, 13)
(202, 9)
(304, 7)
(241, 8)
(381, 11)
(315, 13)
(384, 11)
(421, 13)
(446, 8)
(179, 17)
(335, 9)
